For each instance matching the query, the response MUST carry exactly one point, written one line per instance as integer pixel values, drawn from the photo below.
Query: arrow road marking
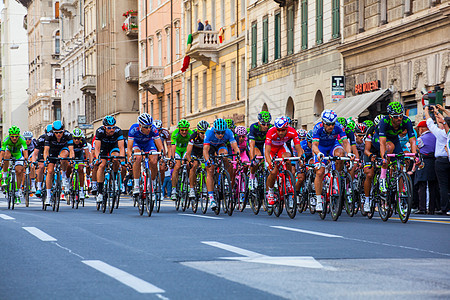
(40, 234)
(308, 232)
(254, 257)
(133, 282)
(6, 217)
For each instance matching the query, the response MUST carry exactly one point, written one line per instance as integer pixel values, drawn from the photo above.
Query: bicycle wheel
(335, 195)
(244, 192)
(178, 198)
(290, 203)
(279, 203)
(403, 197)
(72, 189)
(201, 185)
(253, 201)
(112, 192)
(26, 190)
(184, 193)
(11, 193)
(374, 196)
(323, 213)
(348, 195)
(148, 193)
(158, 192)
(118, 189)
(310, 191)
(227, 194)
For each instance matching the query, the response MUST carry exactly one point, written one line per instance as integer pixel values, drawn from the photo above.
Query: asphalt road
(85, 254)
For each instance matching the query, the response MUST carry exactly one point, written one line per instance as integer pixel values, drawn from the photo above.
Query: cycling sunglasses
(146, 126)
(329, 124)
(202, 132)
(219, 132)
(14, 135)
(60, 131)
(265, 124)
(184, 129)
(281, 129)
(109, 127)
(396, 116)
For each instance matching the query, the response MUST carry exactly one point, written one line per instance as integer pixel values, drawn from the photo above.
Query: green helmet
(77, 132)
(14, 130)
(351, 125)
(368, 123)
(230, 124)
(183, 123)
(264, 117)
(395, 108)
(342, 121)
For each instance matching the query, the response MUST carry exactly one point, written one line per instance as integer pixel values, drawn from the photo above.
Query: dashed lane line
(6, 217)
(308, 232)
(200, 216)
(40, 234)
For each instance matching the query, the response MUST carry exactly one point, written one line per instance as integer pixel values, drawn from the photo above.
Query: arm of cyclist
(206, 148)
(267, 158)
(316, 151)
(46, 152)
(121, 145)
(159, 145)
(71, 152)
(188, 152)
(236, 150)
(98, 145)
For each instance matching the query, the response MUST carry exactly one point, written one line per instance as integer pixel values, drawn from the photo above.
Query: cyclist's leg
(270, 182)
(136, 169)
(6, 155)
(192, 171)
(176, 168)
(210, 178)
(338, 150)
(64, 153)
(19, 173)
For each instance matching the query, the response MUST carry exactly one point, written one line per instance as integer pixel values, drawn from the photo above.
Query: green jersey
(16, 149)
(180, 142)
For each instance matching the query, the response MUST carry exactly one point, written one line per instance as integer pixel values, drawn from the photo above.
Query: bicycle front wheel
(111, 192)
(27, 190)
(349, 195)
(404, 197)
(288, 188)
(228, 199)
(148, 194)
(335, 195)
(184, 192)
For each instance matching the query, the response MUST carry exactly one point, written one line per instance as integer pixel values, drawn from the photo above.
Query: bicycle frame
(285, 196)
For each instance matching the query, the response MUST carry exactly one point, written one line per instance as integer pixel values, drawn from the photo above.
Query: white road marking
(308, 231)
(250, 256)
(6, 217)
(40, 234)
(200, 216)
(135, 283)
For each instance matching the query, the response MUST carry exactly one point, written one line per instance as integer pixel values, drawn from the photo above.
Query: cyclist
(326, 137)
(109, 141)
(31, 147)
(14, 146)
(307, 155)
(143, 137)
(215, 142)
(164, 135)
(81, 151)
(195, 150)
(360, 133)
(38, 159)
(58, 143)
(257, 138)
(275, 146)
(180, 139)
(390, 128)
(302, 134)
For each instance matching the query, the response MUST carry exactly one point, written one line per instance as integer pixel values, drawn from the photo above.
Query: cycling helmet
(378, 119)
(301, 133)
(395, 108)
(220, 125)
(289, 120)
(264, 117)
(48, 128)
(145, 119)
(368, 123)
(309, 136)
(27, 135)
(183, 123)
(157, 123)
(342, 121)
(240, 130)
(281, 122)
(351, 125)
(361, 128)
(14, 130)
(77, 133)
(230, 124)
(329, 116)
(109, 121)
(57, 125)
(202, 125)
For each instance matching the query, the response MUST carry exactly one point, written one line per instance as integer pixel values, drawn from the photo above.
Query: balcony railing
(88, 84)
(130, 26)
(132, 72)
(56, 93)
(152, 79)
(204, 46)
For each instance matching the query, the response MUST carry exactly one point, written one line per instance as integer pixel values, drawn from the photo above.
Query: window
(265, 48)
(205, 87)
(150, 63)
(222, 83)
(213, 14)
(290, 30)
(169, 110)
(254, 45)
(304, 9)
(143, 56)
(233, 80)
(56, 9)
(160, 110)
(159, 49)
(213, 87)
(168, 46)
(243, 76)
(232, 11)
(196, 93)
(319, 21)
(57, 42)
(177, 40)
(335, 19)
(243, 8)
(222, 12)
(178, 106)
(277, 35)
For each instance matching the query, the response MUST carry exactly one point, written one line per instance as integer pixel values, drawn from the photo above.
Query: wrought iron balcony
(132, 72)
(204, 46)
(152, 79)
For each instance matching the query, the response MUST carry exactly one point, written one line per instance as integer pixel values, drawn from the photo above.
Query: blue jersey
(306, 149)
(350, 136)
(211, 139)
(134, 134)
(328, 140)
(387, 130)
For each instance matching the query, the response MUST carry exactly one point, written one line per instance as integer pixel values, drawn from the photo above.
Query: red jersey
(274, 140)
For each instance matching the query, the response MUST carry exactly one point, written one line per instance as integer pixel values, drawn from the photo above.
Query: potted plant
(130, 12)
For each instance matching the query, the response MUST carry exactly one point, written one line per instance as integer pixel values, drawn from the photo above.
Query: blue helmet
(145, 119)
(309, 136)
(109, 121)
(281, 122)
(48, 128)
(58, 125)
(329, 116)
(220, 125)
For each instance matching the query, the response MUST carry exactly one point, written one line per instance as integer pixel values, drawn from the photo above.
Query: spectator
(167, 184)
(207, 26)
(442, 163)
(426, 177)
(200, 25)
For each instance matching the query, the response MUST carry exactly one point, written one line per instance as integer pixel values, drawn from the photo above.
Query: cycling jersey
(213, 140)
(360, 148)
(306, 149)
(328, 140)
(350, 136)
(145, 142)
(109, 143)
(278, 144)
(31, 147)
(79, 148)
(258, 136)
(197, 145)
(387, 130)
(40, 144)
(16, 149)
(180, 141)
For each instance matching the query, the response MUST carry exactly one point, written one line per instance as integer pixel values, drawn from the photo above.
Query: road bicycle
(285, 188)
(240, 193)
(201, 192)
(222, 184)
(56, 190)
(75, 184)
(359, 199)
(182, 198)
(157, 189)
(111, 187)
(348, 189)
(257, 196)
(11, 183)
(306, 192)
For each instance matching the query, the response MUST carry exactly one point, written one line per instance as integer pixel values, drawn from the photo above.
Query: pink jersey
(242, 145)
(274, 140)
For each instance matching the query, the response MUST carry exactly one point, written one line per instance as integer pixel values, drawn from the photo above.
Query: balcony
(152, 79)
(67, 7)
(130, 26)
(132, 72)
(204, 46)
(88, 84)
(56, 93)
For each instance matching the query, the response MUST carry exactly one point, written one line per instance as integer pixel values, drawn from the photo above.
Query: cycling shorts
(107, 149)
(147, 147)
(244, 157)
(398, 147)
(56, 152)
(278, 151)
(327, 151)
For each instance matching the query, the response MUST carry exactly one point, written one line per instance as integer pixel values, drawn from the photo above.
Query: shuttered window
(290, 30)
(319, 21)
(254, 45)
(335, 12)
(265, 48)
(304, 24)
(277, 35)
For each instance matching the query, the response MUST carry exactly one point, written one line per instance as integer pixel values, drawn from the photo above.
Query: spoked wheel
(323, 213)
(335, 196)
(112, 193)
(148, 194)
(184, 191)
(310, 191)
(349, 195)
(217, 198)
(279, 203)
(243, 194)
(53, 200)
(118, 188)
(178, 197)
(403, 197)
(375, 197)
(254, 202)
(228, 199)
(140, 200)
(268, 208)
(158, 192)
(290, 201)
(27, 190)
(204, 202)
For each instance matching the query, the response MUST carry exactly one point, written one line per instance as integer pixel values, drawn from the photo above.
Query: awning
(354, 106)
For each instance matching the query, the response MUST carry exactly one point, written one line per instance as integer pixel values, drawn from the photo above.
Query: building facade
(401, 45)
(160, 60)
(292, 57)
(215, 82)
(44, 72)
(117, 60)
(72, 62)
(14, 58)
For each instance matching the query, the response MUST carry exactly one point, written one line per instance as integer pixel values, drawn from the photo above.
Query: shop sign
(367, 87)
(337, 88)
